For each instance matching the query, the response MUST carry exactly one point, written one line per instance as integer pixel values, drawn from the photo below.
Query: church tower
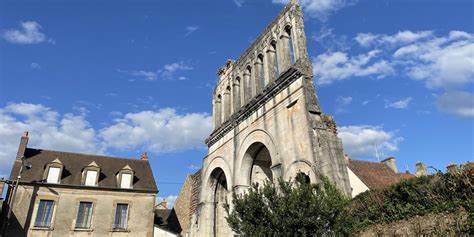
(267, 123)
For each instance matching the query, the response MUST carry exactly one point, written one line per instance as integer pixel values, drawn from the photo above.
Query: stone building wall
(182, 205)
(434, 224)
(67, 200)
(267, 123)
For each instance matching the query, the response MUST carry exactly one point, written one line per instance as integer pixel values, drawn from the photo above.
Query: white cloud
(171, 199)
(445, 62)
(190, 30)
(139, 74)
(167, 72)
(147, 75)
(193, 167)
(28, 34)
(320, 9)
(360, 141)
(459, 103)
(330, 67)
(442, 62)
(399, 104)
(239, 3)
(35, 66)
(160, 131)
(342, 102)
(49, 130)
(402, 37)
(330, 41)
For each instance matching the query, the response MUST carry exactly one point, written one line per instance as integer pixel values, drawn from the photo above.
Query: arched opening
(260, 170)
(276, 67)
(292, 50)
(218, 183)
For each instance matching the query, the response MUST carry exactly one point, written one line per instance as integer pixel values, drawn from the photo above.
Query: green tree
(289, 208)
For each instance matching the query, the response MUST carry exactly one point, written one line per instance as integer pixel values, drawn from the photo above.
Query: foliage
(288, 208)
(300, 209)
(418, 196)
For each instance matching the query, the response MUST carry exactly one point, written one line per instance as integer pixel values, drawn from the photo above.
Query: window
(44, 214)
(53, 175)
(126, 181)
(91, 178)
(121, 217)
(84, 215)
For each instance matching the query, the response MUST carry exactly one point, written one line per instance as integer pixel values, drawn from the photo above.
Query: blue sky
(124, 77)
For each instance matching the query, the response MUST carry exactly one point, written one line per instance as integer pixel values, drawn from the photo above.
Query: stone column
(218, 112)
(270, 67)
(258, 76)
(226, 104)
(284, 52)
(236, 95)
(276, 172)
(206, 219)
(247, 87)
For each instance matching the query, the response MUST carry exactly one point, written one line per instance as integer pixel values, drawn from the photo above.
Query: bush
(418, 196)
(289, 208)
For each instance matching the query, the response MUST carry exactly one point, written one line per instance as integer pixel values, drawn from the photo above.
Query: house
(366, 175)
(166, 222)
(72, 194)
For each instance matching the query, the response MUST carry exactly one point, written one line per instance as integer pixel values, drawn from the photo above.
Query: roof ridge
(85, 154)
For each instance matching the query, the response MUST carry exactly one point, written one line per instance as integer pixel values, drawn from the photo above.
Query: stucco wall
(67, 200)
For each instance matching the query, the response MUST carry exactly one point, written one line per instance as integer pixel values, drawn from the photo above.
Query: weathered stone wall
(67, 200)
(437, 224)
(268, 123)
(182, 205)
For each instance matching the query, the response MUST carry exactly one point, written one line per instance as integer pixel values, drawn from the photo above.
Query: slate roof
(74, 163)
(373, 174)
(167, 219)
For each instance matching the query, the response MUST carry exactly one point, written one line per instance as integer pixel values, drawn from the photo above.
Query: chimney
(452, 167)
(2, 184)
(421, 169)
(390, 162)
(144, 156)
(346, 158)
(23, 145)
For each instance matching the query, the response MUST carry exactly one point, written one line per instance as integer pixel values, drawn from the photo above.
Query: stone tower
(267, 123)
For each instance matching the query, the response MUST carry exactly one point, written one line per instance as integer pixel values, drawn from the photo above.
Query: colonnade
(266, 65)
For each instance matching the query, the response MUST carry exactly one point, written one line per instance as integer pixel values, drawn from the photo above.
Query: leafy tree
(289, 208)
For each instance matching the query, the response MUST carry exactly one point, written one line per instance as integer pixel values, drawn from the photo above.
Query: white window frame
(88, 178)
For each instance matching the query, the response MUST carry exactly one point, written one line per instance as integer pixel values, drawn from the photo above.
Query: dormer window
(90, 174)
(125, 177)
(53, 172)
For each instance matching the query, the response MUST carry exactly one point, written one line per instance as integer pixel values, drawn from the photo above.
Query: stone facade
(71, 194)
(267, 123)
(67, 201)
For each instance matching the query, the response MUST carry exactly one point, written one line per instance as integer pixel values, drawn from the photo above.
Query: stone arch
(303, 166)
(246, 154)
(215, 163)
